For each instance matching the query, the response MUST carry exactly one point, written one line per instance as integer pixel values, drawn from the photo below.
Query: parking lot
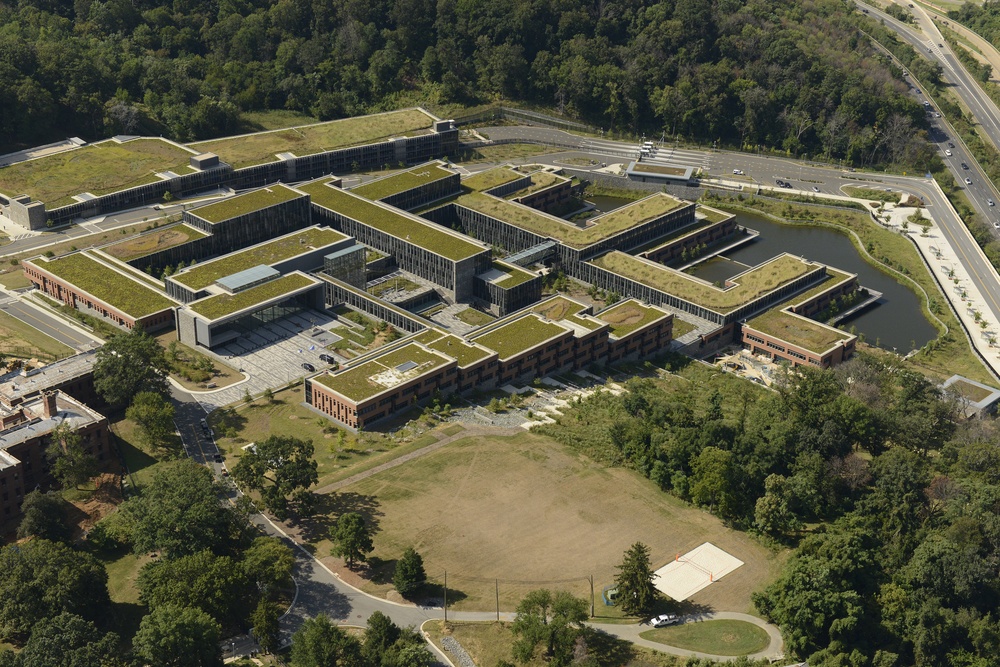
(272, 355)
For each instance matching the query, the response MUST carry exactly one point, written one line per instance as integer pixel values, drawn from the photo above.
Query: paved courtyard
(272, 355)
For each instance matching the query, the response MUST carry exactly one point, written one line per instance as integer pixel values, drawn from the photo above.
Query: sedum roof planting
(361, 382)
(214, 307)
(245, 203)
(602, 227)
(491, 178)
(422, 233)
(518, 335)
(750, 284)
(629, 316)
(153, 241)
(104, 283)
(201, 276)
(402, 181)
(798, 330)
(453, 346)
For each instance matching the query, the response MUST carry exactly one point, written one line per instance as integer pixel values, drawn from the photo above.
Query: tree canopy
(128, 364)
(552, 621)
(175, 636)
(44, 516)
(352, 538)
(66, 640)
(634, 581)
(279, 467)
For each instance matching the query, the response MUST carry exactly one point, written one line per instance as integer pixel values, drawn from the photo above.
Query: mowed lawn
(529, 512)
(722, 637)
(20, 340)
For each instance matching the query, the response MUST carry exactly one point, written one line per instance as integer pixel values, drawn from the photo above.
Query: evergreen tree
(636, 593)
(409, 575)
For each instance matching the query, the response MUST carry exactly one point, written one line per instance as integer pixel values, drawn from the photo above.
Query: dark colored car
(787, 185)
(326, 358)
(780, 183)
(217, 458)
(965, 166)
(951, 145)
(309, 367)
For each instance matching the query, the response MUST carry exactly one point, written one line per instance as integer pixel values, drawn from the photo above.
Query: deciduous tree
(175, 636)
(128, 364)
(71, 464)
(266, 628)
(44, 516)
(154, 415)
(67, 640)
(278, 467)
(320, 643)
(352, 539)
(551, 620)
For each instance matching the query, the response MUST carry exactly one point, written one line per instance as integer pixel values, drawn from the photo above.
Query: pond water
(896, 322)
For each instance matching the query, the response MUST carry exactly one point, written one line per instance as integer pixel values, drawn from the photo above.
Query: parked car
(327, 359)
(663, 620)
(309, 367)
(217, 458)
(787, 185)
(737, 172)
(815, 189)
(780, 183)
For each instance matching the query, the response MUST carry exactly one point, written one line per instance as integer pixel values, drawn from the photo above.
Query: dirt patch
(624, 315)
(556, 311)
(524, 512)
(87, 512)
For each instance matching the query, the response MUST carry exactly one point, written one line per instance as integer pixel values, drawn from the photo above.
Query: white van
(737, 172)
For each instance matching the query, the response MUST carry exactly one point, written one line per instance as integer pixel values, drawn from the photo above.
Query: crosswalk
(664, 155)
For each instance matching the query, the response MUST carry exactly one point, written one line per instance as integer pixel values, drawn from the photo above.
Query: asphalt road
(48, 324)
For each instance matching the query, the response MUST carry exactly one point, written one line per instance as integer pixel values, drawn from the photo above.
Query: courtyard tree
(352, 538)
(320, 643)
(279, 467)
(175, 636)
(409, 575)
(71, 464)
(128, 364)
(154, 415)
(636, 592)
(553, 621)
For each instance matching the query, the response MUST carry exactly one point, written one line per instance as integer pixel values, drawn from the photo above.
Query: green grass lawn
(20, 340)
(14, 279)
(276, 119)
(723, 637)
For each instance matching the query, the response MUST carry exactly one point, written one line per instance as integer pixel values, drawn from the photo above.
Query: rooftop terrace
(214, 307)
(546, 225)
(100, 168)
(102, 282)
(201, 276)
(516, 336)
(491, 178)
(402, 181)
(250, 149)
(629, 316)
(750, 284)
(245, 203)
(153, 241)
(798, 330)
(515, 275)
(385, 371)
(419, 232)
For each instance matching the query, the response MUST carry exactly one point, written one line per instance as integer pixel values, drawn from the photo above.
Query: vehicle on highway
(309, 367)
(919, 93)
(937, 115)
(948, 153)
(663, 620)
(968, 181)
(990, 202)
(737, 172)
(951, 145)
(996, 225)
(780, 183)
(940, 46)
(965, 166)
(815, 189)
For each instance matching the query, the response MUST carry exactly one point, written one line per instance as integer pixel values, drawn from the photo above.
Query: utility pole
(446, 596)
(497, 584)
(591, 596)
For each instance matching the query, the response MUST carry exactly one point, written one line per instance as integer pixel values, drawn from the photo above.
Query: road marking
(47, 325)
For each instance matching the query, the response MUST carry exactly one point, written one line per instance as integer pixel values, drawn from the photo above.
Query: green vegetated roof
(153, 241)
(100, 168)
(543, 224)
(357, 383)
(402, 181)
(558, 307)
(833, 277)
(797, 330)
(462, 351)
(712, 214)
(659, 169)
(693, 228)
(519, 335)
(969, 391)
(491, 178)
(251, 149)
(245, 203)
(629, 316)
(750, 285)
(539, 181)
(282, 248)
(421, 233)
(214, 307)
(104, 283)
(515, 277)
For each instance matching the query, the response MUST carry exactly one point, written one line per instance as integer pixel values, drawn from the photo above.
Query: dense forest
(983, 19)
(891, 500)
(797, 77)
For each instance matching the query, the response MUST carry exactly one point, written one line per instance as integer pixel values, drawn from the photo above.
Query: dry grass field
(529, 512)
